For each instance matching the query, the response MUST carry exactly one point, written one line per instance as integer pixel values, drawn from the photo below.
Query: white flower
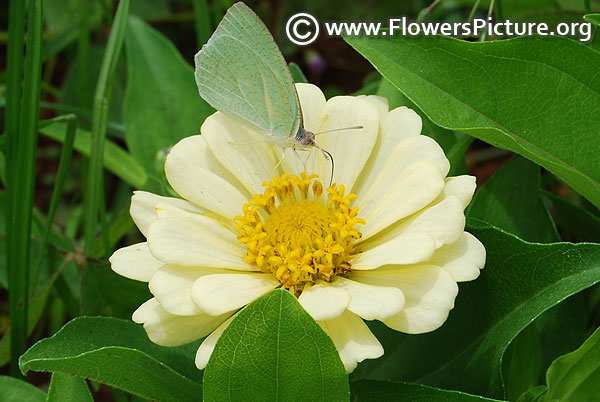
(386, 242)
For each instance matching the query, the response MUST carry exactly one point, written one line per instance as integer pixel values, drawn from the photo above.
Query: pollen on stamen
(296, 233)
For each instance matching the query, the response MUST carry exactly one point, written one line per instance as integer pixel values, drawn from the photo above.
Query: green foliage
(472, 87)
(68, 388)
(119, 354)
(273, 350)
(162, 104)
(13, 390)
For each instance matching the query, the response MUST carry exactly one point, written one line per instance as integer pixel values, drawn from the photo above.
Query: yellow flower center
(296, 232)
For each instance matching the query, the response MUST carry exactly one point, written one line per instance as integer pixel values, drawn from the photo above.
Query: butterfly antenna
(328, 156)
(341, 129)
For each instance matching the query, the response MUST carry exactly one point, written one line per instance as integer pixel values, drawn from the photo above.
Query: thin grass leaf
(21, 195)
(201, 21)
(99, 119)
(63, 167)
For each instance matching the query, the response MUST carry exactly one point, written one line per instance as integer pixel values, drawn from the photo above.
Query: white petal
(221, 293)
(143, 210)
(352, 338)
(350, 148)
(324, 302)
(196, 241)
(461, 187)
(243, 151)
(203, 187)
(463, 258)
(398, 250)
(208, 345)
(380, 103)
(312, 102)
(371, 302)
(172, 287)
(397, 192)
(135, 262)
(429, 291)
(445, 222)
(395, 127)
(170, 330)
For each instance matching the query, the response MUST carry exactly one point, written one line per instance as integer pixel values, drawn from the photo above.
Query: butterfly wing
(241, 72)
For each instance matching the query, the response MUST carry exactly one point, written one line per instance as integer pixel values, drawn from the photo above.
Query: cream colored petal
(170, 330)
(398, 192)
(196, 241)
(398, 250)
(135, 262)
(352, 338)
(189, 178)
(172, 287)
(445, 222)
(463, 258)
(380, 103)
(350, 148)
(245, 153)
(143, 208)
(371, 302)
(208, 345)
(221, 293)
(461, 187)
(324, 302)
(395, 127)
(312, 102)
(429, 291)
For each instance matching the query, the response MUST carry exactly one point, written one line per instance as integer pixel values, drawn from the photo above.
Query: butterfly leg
(279, 163)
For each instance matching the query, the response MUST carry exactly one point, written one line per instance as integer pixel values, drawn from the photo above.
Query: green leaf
(511, 201)
(273, 350)
(13, 390)
(162, 104)
(533, 394)
(67, 388)
(117, 353)
(582, 225)
(519, 282)
(116, 159)
(533, 96)
(575, 377)
(384, 391)
(593, 18)
(523, 362)
(297, 74)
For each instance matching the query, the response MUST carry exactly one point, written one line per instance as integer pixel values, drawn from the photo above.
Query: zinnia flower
(385, 242)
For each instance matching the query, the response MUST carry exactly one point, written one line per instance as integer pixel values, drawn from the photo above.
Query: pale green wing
(241, 72)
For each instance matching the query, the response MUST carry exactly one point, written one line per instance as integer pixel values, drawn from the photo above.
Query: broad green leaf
(510, 201)
(523, 362)
(533, 96)
(116, 159)
(519, 282)
(297, 74)
(582, 225)
(13, 390)
(575, 377)
(384, 391)
(68, 388)
(533, 394)
(593, 18)
(117, 353)
(162, 104)
(273, 350)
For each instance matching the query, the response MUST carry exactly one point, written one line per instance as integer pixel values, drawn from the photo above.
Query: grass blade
(63, 167)
(201, 21)
(99, 119)
(21, 190)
